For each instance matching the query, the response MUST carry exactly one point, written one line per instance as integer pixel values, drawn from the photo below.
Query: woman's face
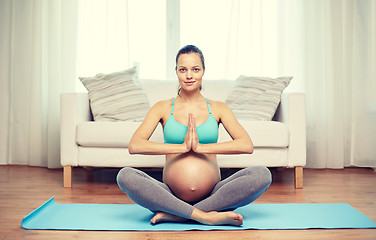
(189, 70)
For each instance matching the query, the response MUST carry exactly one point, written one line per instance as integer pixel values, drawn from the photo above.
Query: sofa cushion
(256, 98)
(116, 96)
(110, 134)
(118, 134)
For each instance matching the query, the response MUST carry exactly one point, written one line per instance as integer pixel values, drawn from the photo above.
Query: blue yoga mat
(132, 217)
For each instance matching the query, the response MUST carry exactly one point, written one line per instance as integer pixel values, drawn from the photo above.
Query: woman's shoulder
(162, 106)
(219, 109)
(217, 104)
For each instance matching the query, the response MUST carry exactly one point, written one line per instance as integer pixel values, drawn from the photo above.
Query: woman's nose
(189, 75)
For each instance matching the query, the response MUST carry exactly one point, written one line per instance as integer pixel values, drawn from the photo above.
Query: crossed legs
(238, 190)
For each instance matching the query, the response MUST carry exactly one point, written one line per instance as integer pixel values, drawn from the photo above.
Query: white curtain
(38, 52)
(340, 83)
(327, 45)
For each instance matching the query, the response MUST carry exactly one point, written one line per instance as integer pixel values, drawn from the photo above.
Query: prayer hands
(191, 138)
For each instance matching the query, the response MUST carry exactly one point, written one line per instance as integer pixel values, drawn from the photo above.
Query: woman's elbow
(132, 147)
(249, 147)
(246, 146)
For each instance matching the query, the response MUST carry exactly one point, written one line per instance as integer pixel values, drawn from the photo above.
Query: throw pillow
(116, 96)
(256, 98)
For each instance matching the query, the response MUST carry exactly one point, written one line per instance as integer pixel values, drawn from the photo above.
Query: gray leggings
(241, 188)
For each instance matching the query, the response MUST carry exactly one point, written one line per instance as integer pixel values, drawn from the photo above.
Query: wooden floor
(22, 189)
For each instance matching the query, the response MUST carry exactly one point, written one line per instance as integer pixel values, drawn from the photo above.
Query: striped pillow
(256, 98)
(116, 96)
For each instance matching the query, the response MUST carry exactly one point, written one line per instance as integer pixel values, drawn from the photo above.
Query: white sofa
(84, 142)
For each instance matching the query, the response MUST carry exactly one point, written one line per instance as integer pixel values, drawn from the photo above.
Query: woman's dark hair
(190, 49)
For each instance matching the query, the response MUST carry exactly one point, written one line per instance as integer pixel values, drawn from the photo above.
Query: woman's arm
(241, 142)
(140, 143)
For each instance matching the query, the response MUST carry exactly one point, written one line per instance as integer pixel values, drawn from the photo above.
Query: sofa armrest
(74, 108)
(292, 112)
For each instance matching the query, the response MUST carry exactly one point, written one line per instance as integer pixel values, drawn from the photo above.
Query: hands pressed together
(191, 138)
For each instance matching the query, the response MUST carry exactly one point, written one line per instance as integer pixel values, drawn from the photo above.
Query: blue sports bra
(174, 132)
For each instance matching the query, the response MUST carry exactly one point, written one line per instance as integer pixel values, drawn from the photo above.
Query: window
(236, 37)
(114, 35)
(147, 37)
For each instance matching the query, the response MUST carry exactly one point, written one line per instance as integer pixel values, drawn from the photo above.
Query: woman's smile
(189, 83)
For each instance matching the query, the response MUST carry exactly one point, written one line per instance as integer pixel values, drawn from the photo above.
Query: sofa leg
(67, 176)
(299, 177)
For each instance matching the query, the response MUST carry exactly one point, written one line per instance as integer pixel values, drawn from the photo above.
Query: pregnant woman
(192, 187)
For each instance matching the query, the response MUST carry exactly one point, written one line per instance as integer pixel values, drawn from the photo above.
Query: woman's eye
(196, 69)
(182, 70)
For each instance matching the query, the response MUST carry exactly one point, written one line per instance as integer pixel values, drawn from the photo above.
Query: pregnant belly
(191, 176)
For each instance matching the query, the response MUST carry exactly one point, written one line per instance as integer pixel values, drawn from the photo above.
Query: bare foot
(166, 217)
(224, 218)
